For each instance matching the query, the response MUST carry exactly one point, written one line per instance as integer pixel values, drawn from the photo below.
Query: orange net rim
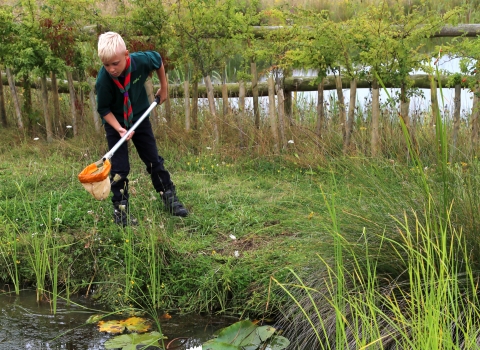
(93, 173)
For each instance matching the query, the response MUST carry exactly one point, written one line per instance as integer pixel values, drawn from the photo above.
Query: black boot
(172, 204)
(121, 214)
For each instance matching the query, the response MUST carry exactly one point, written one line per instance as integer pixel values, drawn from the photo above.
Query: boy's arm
(162, 92)
(113, 122)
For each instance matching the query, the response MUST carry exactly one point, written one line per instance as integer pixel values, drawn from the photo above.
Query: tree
(315, 48)
(6, 31)
(205, 30)
(7, 40)
(393, 41)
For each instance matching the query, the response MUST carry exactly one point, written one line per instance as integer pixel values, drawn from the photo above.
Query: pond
(26, 324)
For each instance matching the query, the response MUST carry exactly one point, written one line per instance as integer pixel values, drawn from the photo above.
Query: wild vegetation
(350, 225)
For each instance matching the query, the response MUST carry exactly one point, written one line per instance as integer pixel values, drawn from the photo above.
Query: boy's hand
(163, 95)
(123, 131)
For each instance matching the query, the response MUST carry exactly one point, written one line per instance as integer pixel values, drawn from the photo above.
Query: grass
(353, 245)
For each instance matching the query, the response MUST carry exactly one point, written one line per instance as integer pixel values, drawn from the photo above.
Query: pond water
(26, 324)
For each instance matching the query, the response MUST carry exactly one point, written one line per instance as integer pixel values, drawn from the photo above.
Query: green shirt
(109, 97)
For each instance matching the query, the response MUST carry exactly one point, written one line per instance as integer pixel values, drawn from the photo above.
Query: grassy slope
(275, 209)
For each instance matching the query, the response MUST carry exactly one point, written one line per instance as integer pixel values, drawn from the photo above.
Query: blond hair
(109, 44)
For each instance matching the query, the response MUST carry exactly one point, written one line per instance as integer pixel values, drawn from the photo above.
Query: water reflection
(26, 324)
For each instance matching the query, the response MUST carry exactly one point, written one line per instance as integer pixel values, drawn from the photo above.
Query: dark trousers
(145, 143)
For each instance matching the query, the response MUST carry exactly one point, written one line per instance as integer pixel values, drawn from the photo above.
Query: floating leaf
(219, 346)
(278, 342)
(265, 332)
(237, 332)
(137, 324)
(130, 341)
(246, 335)
(132, 324)
(112, 327)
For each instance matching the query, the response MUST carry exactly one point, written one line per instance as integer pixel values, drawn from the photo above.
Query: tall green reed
(9, 251)
(43, 248)
(434, 294)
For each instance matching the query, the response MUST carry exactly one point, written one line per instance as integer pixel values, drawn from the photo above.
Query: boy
(121, 100)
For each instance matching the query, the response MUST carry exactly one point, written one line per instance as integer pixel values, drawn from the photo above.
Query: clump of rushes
(9, 251)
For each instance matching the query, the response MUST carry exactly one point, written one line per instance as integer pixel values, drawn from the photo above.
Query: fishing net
(95, 179)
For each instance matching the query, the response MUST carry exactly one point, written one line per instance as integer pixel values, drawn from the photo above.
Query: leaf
(278, 343)
(246, 335)
(137, 324)
(132, 324)
(130, 341)
(219, 346)
(265, 332)
(112, 327)
(236, 333)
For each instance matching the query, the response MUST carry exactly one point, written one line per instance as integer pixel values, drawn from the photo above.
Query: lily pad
(265, 332)
(112, 327)
(137, 324)
(132, 324)
(130, 341)
(246, 335)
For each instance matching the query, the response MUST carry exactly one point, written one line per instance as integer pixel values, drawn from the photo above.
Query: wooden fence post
(93, 105)
(375, 136)
(474, 117)
(256, 111)
(186, 93)
(46, 112)
(57, 115)
(281, 113)
(211, 104)
(73, 109)
(3, 111)
(456, 120)
(320, 108)
(271, 113)
(341, 104)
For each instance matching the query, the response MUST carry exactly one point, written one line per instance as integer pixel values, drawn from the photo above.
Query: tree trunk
(281, 115)
(13, 90)
(351, 115)
(93, 104)
(73, 108)
(341, 104)
(57, 116)
(211, 104)
(320, 109)
(46, 112)
(456, 120)
(256, 110)
(195, 105)
(375, 140)
(3, 110)
(271, 113)
(241, 111)
(186, 93)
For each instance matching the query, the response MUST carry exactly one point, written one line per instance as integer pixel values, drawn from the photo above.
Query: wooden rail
(421, 81)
